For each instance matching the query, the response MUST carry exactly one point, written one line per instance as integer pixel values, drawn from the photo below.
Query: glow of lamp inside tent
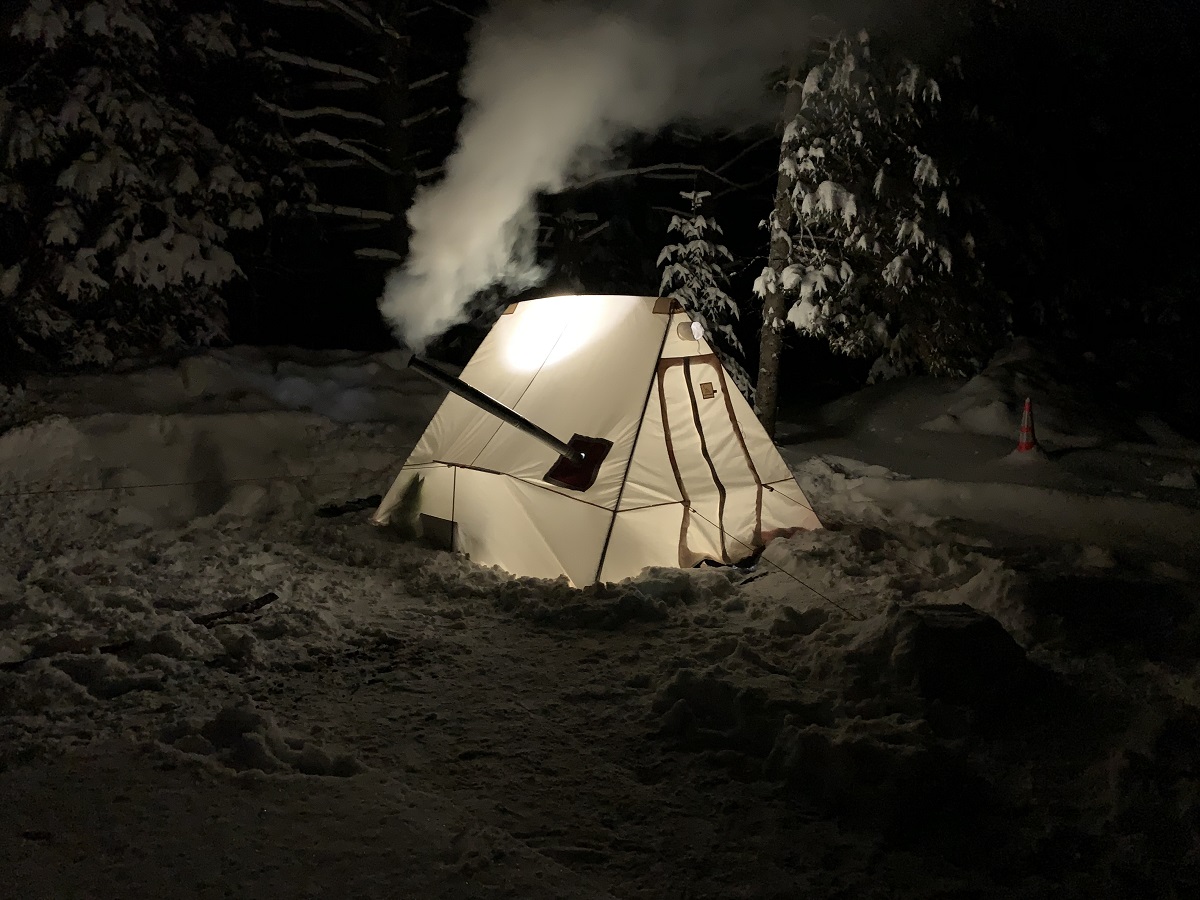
(549, 331)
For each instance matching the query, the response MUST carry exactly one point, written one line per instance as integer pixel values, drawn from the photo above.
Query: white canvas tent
(690, 474)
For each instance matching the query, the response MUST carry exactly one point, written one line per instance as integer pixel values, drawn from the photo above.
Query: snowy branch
(330, 163)
(588, 235)
(422, 82)
(317, 111)
(371, 23)
(308, 62)
(422, 174)
(378, 253)
(421, 117)
(453, 8)
(299, 4)
(338, 86)
(351, 212)
(347, 147)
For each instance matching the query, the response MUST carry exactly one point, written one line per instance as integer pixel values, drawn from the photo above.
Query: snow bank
(1000, 512)
(991, 403)
(343, 386)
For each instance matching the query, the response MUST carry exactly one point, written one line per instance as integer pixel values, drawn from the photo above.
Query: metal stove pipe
(493, 406)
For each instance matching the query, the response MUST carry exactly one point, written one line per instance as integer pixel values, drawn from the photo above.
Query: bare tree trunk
(770, 346)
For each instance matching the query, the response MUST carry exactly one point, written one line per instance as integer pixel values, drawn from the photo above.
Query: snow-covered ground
(980, 680)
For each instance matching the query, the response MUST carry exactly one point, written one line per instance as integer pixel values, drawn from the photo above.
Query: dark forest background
(1081, 157)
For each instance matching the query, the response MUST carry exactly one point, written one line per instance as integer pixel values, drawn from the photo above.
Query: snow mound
(991, 403)
(241, 737)
(996, 513)
(648, 597)
(167, 470)
(948, 652)
(602, 607)
(1184, 480)
(343, 386)
(800, 729)
(12, 406)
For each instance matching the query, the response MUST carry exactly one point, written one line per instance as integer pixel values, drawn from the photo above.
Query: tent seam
(633, 449)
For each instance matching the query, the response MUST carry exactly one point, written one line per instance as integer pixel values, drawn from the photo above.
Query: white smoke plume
(551, 89)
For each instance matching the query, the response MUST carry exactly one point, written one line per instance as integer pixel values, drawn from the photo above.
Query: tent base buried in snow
(677, 470)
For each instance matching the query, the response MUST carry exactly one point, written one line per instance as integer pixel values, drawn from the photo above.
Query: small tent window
(690, 331)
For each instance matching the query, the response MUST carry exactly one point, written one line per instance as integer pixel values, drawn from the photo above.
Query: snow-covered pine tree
(117, 203)
(692, 274)
(876, 254)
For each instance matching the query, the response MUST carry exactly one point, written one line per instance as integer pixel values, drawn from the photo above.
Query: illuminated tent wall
(691, 474)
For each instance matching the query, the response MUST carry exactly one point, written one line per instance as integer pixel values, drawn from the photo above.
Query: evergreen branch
(347, 147)
(588, 235)
(316, 111)
(420, 117)
(330, 163)
(308, 62)
(378, 253)
(299, 4)
(338, 86)
(453, 8)
(351, 212)
(370, 23)
(422, 82)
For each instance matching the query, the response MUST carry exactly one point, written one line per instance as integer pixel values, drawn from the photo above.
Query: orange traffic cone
(1027, 440)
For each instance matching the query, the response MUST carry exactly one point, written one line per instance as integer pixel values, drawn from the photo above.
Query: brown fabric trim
(667, 361)
(684, 552)
(712, 467)
(741, 439)
(767, 485)
(665, 306)
(509, 310)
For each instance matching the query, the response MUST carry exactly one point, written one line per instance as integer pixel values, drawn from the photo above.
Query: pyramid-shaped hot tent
(685, 471)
